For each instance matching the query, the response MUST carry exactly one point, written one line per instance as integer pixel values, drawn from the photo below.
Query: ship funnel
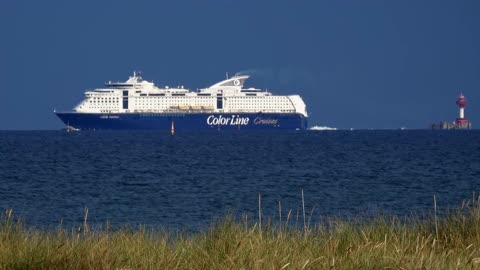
(235, 81)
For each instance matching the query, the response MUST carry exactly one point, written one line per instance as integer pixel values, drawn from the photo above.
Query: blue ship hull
(183, 121)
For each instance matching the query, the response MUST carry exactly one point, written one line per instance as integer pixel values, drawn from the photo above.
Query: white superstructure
(228, 96)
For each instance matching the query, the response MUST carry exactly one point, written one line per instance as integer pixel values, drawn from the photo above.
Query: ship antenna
(226, 74)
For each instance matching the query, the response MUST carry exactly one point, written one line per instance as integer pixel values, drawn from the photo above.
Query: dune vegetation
(451, 241)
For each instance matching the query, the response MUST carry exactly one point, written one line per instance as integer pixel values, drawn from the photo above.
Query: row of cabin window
(201, 97)
(260, 102)
(104, 101)
(212, 97)
(171, 102)
(210, 100)
(242, 103)
(172, 98)
(255, 106)
(231, 106)
(257, 97)
(249, 99)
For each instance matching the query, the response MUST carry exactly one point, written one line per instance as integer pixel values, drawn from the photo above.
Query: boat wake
(322, 128)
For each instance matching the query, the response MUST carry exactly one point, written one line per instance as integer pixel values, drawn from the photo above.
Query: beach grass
(450, 241)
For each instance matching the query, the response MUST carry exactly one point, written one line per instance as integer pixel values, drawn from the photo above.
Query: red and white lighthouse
(461, 121)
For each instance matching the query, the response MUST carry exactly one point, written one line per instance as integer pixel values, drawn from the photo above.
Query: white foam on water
(322, 128)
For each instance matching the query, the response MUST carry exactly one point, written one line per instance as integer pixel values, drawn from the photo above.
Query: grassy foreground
(450, 242)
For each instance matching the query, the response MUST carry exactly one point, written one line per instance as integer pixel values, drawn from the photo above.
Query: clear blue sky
(360, 64)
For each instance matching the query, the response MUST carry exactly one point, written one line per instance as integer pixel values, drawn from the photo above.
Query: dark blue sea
(184, 182)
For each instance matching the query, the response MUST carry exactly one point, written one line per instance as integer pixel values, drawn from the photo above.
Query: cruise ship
(140, 104)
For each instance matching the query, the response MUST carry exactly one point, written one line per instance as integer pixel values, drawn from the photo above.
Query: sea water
(184, 182)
